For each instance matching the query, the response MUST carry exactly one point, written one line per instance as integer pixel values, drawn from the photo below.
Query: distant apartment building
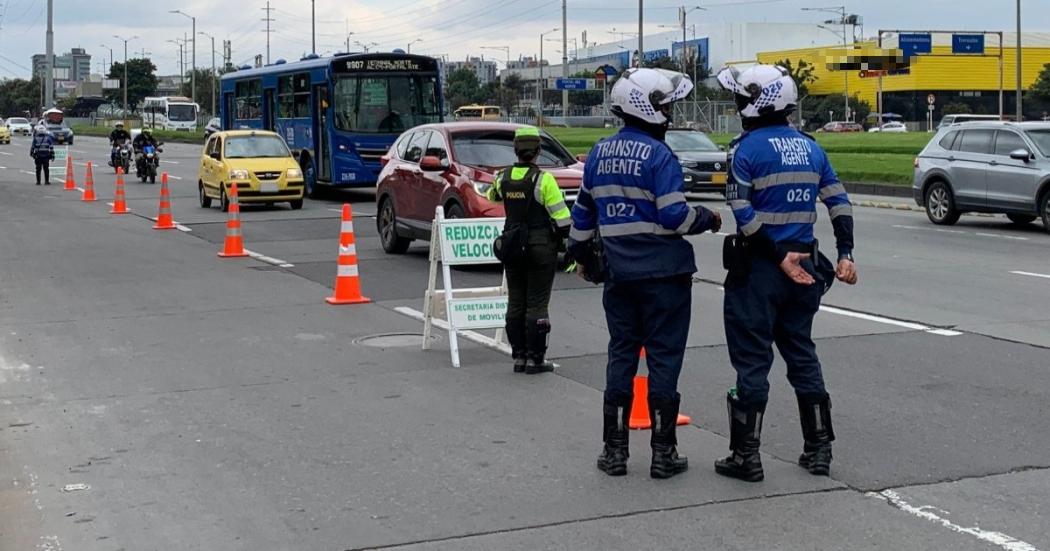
(485, 69)
(73, 67)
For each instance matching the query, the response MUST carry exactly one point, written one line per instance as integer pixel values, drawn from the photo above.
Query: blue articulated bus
(338, 114)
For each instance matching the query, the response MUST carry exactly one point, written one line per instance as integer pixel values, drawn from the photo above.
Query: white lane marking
(941, 230)
(924, 512)
(891, 321)
(269, 259)
(980, 234)
(182, 228)
(173, 177)
(1002, 236)
(27, 172)
(3, 168)
(1032, 274)
(469, 335)
(6, 153)
(170, 162)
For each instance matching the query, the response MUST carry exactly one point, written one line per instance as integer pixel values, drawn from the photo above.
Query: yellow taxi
(258, 162)
(5, 133)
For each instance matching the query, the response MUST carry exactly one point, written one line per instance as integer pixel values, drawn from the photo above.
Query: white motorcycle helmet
(761, 91)
(647, 94)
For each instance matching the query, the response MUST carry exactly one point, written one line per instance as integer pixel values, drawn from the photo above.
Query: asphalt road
(153, 396)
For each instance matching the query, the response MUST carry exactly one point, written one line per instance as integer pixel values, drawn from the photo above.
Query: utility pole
(214, 74)
(268, 20)
(641, 31)
(348, 33)
(227, 53)
(125, 41)
(682, 13)
(1021, 113)
(564, 57)
(49, 63)
(843, 20)
(313, 27)
(193, 72)
(540, 83)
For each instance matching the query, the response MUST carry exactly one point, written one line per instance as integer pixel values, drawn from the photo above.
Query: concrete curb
(909, 207)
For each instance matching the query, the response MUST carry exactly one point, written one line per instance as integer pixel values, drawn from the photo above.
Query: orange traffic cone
(89, 186)
(640, 407)
(347, 280)
(71, 184)
(234, 245)
(164, 219)
(120, 204)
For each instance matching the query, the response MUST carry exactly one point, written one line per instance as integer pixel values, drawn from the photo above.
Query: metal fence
(709, 116)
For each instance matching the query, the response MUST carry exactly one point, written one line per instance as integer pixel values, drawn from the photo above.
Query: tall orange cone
(120, 204)
(640, 407)
(89, 186)
(164, 219)
(347, 280)
(234, 245)
(71, 184)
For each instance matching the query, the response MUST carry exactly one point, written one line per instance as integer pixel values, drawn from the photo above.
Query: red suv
(453, 165)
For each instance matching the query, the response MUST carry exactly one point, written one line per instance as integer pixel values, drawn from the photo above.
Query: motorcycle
(149, 163)
(120, 156)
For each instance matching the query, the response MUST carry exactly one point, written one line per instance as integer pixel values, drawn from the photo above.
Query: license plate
(718, 178)
(269, 187)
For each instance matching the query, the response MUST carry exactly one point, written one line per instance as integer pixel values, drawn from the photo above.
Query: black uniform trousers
(529, 282)
(43, 165)
(653, 313)
(764, 307)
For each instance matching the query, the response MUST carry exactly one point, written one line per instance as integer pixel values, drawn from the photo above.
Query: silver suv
(997, 167)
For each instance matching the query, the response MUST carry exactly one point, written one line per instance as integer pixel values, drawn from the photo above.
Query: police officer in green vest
(532, 199)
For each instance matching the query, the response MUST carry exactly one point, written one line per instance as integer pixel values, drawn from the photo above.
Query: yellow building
(968, 79)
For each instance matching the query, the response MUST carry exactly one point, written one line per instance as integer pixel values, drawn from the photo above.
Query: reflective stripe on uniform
(841, 210)
(347, 270)
(615, 191)
(557, 207)
(563, 222)
(690, 218)
(635, 228)
(832, 190)
(580, 235)
(782, 178)
(670, 199)
(737, 204)
(751, 227)
(348, 249)
(780, 218)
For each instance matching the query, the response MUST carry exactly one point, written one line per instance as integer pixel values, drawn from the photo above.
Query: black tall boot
(815, 413)
(518, 343)
(663, 413)
(745, 431)
(536, 338)
(615, 434)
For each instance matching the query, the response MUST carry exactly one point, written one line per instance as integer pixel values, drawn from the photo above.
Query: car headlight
(294, 173)
(481, 188)
(238, 174)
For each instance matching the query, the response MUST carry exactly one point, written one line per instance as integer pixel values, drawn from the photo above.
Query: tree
(817, 109)
(19, 97)
(462, 88)
(802, 72)
(956, 108)
(203, 95)
(1038, 96)
(142, 81)
(510, 91)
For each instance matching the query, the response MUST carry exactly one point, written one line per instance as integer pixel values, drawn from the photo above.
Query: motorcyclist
(141, 141)
(117, 138)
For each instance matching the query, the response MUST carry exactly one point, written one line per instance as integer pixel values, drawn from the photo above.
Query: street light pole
(564, 57)
(539, 81)
(110, 55)
(683, 12)
(214, 73)
(313, 27)
(841, 12)
(193, 70)
(413, 42)
(49, 64)
(641, 31)
(125, 41)
(1020, 105)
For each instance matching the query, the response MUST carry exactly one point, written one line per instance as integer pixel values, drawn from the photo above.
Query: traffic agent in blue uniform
(776, 272)
(628, 230)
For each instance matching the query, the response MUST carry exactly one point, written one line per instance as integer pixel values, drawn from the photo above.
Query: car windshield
(17, 121)
(690, 141)
(495, 148)
(1041, 139)
(251, 147)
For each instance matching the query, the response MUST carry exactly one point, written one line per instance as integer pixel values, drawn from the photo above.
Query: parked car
(212, 127)
(840, 126)
(704, 165)
(996, 167)
(956, 119)
(258, 162)
(890, 128)
(19, 125)
(453, 165)
(5, 134)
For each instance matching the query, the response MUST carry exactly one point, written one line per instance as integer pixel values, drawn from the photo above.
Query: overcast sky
(452, 27)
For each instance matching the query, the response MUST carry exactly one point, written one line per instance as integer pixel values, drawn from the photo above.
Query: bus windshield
(181, 112)
(387, 104)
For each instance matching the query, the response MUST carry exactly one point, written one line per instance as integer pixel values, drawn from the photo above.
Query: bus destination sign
(382, 65)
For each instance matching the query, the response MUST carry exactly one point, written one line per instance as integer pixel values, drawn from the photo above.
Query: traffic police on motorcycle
(628, 230)
(537, 214)
(776, 273)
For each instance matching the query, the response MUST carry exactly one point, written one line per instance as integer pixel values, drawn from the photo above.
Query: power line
(448, 22)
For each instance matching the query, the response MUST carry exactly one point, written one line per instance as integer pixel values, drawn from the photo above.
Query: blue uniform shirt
(633, 196)
(778, 174)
